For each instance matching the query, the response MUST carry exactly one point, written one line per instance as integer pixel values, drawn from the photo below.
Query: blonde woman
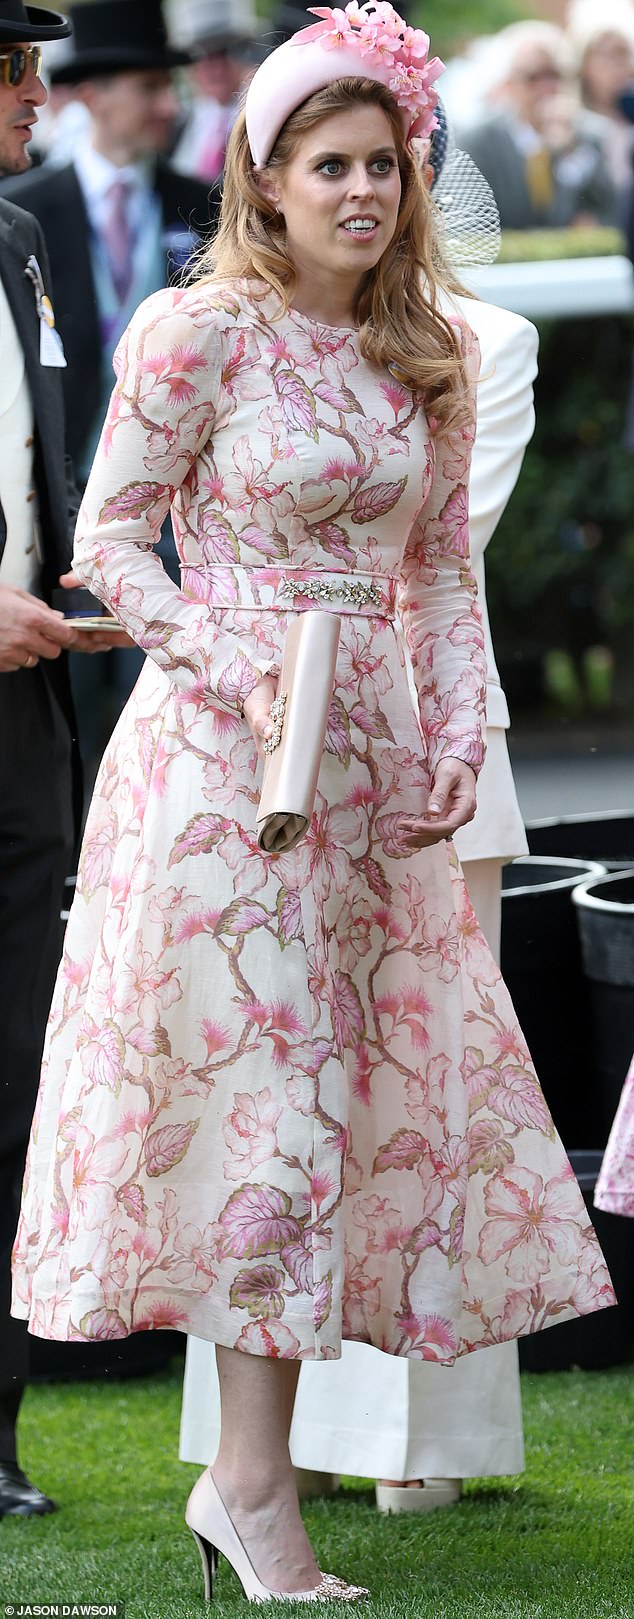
(285, 1099)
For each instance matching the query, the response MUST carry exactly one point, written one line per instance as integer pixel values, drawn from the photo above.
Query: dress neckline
(322, 325)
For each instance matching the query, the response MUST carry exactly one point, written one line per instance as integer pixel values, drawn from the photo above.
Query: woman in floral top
(286, 1099)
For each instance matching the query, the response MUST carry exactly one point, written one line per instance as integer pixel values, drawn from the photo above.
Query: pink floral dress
(615, 1186)
(286, 1099)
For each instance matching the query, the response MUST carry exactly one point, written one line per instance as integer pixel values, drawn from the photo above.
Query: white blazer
(506, 419)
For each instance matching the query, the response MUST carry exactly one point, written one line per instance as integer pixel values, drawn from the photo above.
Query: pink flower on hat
(385, 41)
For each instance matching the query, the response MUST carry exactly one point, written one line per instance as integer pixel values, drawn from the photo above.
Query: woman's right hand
(257, 711)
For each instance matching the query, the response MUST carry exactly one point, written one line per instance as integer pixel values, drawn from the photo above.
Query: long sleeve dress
(285, 1099)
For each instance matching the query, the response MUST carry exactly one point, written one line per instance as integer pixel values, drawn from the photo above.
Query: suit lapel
(43, 381)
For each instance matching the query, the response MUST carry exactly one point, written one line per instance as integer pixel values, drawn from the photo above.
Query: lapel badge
(51, 346)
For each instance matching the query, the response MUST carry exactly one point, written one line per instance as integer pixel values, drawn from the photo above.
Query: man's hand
(452, 804)
(29, 630)
(94, 640)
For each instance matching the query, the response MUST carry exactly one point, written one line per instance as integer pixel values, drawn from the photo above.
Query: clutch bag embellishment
(294, 751)
(278, 710)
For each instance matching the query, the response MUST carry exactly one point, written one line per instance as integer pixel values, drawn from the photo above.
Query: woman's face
(340, 194)
(608, 68)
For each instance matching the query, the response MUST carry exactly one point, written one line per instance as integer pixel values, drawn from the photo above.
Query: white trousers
(381, 1416)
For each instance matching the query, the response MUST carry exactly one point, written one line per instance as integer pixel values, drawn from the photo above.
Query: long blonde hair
(400, 324)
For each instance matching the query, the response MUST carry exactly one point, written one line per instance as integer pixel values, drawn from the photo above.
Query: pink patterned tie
(118, 237)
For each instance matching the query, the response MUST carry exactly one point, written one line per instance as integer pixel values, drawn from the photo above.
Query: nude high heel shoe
(207, 1517)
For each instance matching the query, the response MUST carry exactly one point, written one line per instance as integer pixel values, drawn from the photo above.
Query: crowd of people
(284, 1100)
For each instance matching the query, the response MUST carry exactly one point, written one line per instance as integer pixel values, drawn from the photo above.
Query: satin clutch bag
(300, 715)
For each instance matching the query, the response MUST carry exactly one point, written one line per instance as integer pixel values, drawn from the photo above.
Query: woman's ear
(267, 187)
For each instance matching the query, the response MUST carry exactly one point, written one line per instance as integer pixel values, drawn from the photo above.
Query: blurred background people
(221, 35)
(543, 163)
(118, 221)
(602, 40)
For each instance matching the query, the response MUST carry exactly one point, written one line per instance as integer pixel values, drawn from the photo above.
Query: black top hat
(23, 23)
(117, 36)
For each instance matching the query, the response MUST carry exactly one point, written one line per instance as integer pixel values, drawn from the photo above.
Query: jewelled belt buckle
(352, 592)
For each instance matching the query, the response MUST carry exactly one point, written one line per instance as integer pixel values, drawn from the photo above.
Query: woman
(252, 1123)
(615, 1186)
(602, 39)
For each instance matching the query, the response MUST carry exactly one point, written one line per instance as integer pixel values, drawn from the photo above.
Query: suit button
(29, 442)
(30, 497)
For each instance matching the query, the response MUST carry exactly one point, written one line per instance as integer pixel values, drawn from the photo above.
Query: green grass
(556, 1544)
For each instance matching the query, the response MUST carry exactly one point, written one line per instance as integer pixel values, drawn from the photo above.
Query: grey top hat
(19, 23)
(117, 36)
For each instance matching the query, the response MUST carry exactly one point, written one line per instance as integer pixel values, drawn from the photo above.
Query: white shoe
(431, 1493)
(214, 1532)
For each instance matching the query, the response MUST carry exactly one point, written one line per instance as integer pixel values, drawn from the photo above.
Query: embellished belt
(291, 589)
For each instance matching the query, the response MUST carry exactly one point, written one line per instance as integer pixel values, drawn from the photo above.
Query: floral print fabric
(615, 1186)
(285, 1098)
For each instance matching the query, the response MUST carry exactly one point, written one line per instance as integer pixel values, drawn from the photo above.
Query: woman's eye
(331, 166)
(383, 165)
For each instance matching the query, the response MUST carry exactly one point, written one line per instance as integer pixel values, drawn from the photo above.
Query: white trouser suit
(369, 1414)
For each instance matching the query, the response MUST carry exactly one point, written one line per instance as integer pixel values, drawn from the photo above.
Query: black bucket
(604, 911)
(604, 836)
(541, 964)
(593, 1342)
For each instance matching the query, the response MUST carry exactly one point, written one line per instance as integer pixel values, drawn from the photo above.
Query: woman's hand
(452, 803)
(257, 711)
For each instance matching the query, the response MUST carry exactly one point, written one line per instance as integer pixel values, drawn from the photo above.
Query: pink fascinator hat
(369, 41)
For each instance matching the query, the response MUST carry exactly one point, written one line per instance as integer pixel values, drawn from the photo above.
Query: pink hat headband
(361, 42)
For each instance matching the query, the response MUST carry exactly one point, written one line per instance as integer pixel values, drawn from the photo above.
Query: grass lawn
(556, 1544)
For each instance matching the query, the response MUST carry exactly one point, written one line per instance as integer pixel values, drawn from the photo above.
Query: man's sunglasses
(14, 65)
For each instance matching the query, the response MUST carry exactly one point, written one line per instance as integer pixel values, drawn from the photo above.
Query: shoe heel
(209, 1560)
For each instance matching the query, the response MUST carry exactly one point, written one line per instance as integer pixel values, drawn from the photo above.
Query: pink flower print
(381, 1223)
(518, 1098)
(244, 375)
(175, 371)
(330, 838)
(593, 1289)
(281, 1024)
(240, 851)
(398, 397)
(427, 1090)
(197, 1248)
(95, 1164)
(102, 1054)
(250, 1133)
(489, 1148)
(324, 1188)
(301, 1092)
(353, 933)
(162, 1315)
(530, 1221)
(249, 490)
(270, 1338)
(479, 1077)
(436, 1335)
(256, 1221)
(409, 1007)
(441, 948)
(260, 1291)
(361, 1300)
(216, 1038)
(145, 990)
(98, 852)
(364, 674)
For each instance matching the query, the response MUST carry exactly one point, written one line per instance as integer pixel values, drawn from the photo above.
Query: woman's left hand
(452, 803)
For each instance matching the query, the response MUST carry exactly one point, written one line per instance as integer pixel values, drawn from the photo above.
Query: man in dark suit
(38, 503)
(119, 220)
